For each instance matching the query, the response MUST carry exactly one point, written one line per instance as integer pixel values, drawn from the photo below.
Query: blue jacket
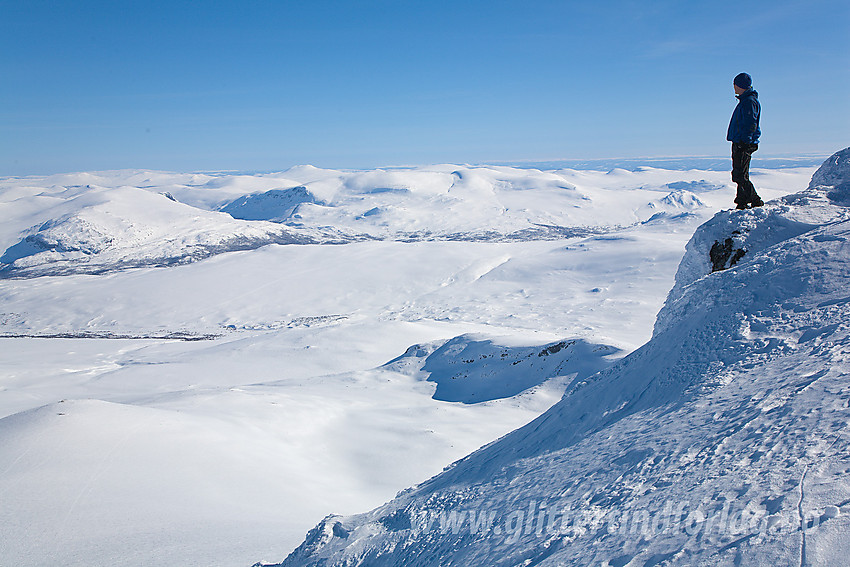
(744, 126)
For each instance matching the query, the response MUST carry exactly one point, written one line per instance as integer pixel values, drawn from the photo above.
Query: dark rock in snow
(724, 255)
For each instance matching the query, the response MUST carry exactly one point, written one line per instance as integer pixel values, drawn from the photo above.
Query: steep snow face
(834, 176)
(722, 441)
(755, 230)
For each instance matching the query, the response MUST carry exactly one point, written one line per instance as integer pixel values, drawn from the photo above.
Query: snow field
(225, 451)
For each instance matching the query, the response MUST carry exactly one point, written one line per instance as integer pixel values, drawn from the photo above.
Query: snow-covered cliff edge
(722, 441)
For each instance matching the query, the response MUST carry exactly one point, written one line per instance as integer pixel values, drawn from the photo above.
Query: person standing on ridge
(744, 134)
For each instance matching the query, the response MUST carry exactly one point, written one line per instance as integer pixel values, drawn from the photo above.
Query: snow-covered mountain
(722, 441)
(95, 229)
(245, 389)
(96, 223)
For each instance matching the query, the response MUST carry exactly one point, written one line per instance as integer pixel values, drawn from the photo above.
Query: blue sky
(264, 85)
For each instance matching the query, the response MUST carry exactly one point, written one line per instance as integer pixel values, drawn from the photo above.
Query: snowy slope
(228, 448)
(722, 441)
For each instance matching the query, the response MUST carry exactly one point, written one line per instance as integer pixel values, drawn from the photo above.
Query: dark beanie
(744, 81)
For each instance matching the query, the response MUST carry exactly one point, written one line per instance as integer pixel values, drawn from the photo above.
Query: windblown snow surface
(197, 368)
(722, 441)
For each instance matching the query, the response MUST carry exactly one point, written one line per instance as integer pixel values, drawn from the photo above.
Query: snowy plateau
(609, 368)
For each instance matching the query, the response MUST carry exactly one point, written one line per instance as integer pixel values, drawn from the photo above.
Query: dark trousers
(741, 156)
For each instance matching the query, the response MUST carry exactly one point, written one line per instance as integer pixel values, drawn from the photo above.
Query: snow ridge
(692, 450)
(471, 369)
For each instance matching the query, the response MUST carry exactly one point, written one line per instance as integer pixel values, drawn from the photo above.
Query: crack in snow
(802, 518)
